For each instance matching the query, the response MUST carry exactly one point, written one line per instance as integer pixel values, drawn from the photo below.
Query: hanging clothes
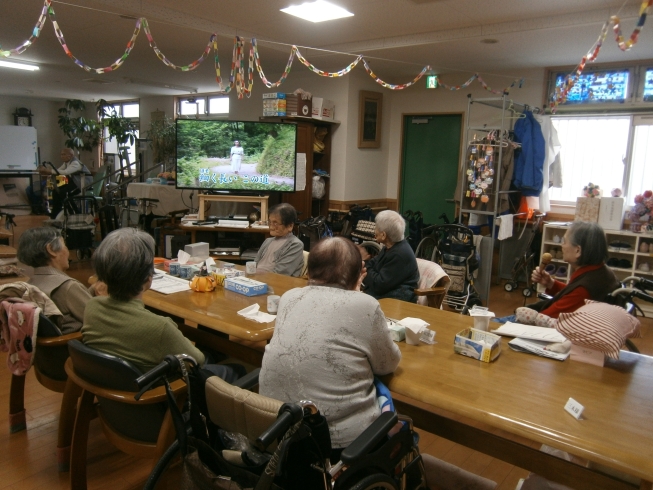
(530, 160)
(551, 170)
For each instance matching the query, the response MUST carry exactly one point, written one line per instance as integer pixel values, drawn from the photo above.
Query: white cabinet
(625, 257)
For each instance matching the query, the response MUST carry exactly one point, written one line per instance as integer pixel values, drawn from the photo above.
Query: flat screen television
(239, 156)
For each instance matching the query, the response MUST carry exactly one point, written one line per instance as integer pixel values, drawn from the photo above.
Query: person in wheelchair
(585, 249)
(393, 272)
(283, 253)
(72, 168)
(45, 250)
(119, 324)
(329, 342)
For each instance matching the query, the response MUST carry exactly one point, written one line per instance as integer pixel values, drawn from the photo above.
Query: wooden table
(524, 395)
(218, 311)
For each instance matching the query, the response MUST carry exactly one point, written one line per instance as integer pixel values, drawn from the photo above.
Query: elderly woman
(44, 249)
(585, 249)
(119, 324)
(329, 342)
(283, 253)
(393, 272)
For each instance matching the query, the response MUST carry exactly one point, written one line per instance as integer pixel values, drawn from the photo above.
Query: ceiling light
(19, 66)
(489, 41)
(318, 11)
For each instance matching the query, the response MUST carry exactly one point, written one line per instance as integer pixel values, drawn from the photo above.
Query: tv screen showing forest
(236, 155)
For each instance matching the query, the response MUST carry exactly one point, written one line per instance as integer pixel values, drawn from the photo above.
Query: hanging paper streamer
(163, 58)
(476, 76)
(286, 72)
(559, 95)
(323, 73)
(36, 32)
(391, 86)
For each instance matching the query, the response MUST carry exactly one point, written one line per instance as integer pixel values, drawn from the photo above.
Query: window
(611, 151)
(648, 86)
(597, 87)
(198, 105)
(130, 110)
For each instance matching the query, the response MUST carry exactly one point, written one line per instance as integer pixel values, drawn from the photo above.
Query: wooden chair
(433, 284)
(108, 384)
(49, 358)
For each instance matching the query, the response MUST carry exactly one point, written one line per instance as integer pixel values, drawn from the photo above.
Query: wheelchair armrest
(370, 438)
(544, 296)
(249, 380)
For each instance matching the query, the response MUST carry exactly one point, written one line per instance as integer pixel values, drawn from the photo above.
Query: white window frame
(119, 107)
(206, 112)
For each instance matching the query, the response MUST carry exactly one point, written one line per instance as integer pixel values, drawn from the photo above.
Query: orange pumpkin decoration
(202, 284)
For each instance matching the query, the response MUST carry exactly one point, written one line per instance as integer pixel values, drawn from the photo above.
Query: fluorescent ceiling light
(19, 66)
(318, 11)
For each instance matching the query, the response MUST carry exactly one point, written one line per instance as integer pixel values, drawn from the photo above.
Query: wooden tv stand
(262, 200)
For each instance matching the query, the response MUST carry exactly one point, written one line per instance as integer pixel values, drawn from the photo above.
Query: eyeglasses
(275, 224)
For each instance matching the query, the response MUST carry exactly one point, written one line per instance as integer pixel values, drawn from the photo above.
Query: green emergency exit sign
(431, 81)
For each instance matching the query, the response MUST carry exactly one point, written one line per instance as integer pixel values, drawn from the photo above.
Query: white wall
(419, 100)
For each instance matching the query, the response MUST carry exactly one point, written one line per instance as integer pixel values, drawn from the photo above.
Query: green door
(431, 154)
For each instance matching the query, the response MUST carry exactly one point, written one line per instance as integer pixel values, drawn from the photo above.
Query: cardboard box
(477, 344)
(611, 213)
(245, 286)
(323, 109)
(198, 250)
(296, 106)
(587, 209)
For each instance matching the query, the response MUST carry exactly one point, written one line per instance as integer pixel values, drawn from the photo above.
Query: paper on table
(529, 332)
(300, 176)
(414, 327)
(536, 347)
(167, 284)
(252, 313)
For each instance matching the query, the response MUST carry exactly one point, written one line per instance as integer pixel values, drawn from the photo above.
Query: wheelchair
(302, 458)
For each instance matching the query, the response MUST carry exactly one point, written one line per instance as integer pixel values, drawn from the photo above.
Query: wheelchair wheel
(426, 249)
(373, 482)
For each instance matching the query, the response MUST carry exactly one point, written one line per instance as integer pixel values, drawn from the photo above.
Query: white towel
(505, 226)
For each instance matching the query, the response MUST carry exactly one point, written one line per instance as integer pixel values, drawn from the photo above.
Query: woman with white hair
(393, 272)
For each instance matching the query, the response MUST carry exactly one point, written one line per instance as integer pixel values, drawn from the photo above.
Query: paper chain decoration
(560, 94)
(237, 73)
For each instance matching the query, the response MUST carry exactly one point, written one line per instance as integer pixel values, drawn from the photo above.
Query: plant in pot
(163, 136)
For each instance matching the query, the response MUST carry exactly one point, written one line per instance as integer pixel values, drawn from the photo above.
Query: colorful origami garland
(243, 88)
(559, 95)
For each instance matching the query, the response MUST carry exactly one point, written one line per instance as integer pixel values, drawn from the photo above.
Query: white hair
(392, 223)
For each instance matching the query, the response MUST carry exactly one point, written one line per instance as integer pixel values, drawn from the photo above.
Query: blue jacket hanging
(529, 162)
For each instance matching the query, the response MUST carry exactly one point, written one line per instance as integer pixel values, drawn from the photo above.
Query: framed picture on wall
(369, 119)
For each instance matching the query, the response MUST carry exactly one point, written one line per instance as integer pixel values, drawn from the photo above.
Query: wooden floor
(28, 458)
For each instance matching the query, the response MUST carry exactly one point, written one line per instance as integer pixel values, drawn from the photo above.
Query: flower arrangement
(591, 190)
(167, 175)
(643, 207)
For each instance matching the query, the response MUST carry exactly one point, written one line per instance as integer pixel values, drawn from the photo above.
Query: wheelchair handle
(289, 414)
(169, 365)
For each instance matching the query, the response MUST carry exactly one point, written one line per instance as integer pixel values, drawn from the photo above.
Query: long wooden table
(524, 395)
(487, 407)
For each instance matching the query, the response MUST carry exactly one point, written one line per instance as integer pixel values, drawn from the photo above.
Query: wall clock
(23, 117)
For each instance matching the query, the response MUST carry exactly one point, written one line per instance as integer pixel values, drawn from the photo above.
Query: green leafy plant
(164, 139)
(82, 133)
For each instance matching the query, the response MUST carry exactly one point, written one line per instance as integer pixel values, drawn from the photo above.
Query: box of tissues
(477, 344)
(246, 286)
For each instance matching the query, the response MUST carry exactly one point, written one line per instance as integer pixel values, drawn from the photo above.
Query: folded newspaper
(538, 347)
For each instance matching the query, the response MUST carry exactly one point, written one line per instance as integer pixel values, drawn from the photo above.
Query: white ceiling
(398, 37)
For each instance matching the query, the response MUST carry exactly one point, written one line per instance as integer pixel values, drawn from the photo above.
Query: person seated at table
(329, 342)
(45, 250)
(119, 324)
(585, 249)
(393, 272)
(283, 253)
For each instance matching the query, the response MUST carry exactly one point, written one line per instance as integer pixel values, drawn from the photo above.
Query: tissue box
(611, 213)
(199, 250)
(323, 109)
(397, 332)
(477, 344)
(245, 286)
(587, 209)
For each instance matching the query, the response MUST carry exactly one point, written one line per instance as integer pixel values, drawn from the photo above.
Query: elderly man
(72, 168)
